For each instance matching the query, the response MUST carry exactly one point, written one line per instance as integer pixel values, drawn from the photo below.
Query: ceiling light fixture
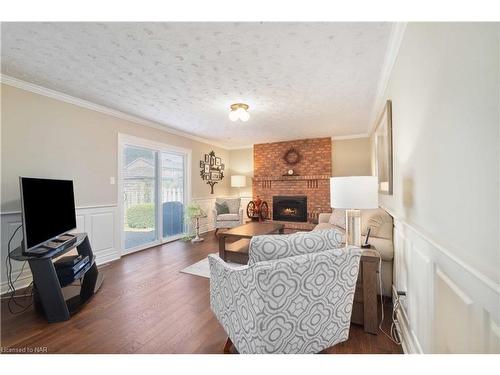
(239, 111)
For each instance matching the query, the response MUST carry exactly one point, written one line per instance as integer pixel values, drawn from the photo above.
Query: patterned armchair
(294, 296)
(233, 219)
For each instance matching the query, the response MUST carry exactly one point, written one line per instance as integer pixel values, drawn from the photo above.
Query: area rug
(202, 268)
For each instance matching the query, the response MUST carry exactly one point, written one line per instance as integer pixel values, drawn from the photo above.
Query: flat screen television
(48, 210)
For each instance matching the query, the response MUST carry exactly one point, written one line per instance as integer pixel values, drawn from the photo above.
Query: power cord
(12, 290)
(392, 335)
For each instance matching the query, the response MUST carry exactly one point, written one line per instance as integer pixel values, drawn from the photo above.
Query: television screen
(48, 209)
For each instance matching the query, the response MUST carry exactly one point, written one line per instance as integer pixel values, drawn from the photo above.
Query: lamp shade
(238, 181)
(355, 192)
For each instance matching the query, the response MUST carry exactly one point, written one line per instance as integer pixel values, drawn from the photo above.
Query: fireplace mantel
(291, 178)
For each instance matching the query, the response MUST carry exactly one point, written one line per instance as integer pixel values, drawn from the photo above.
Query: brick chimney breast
(311, 173)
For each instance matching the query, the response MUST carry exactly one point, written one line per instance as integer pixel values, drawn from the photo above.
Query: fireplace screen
(286, 208)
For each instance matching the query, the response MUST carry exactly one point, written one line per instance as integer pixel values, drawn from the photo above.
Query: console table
(47, 290)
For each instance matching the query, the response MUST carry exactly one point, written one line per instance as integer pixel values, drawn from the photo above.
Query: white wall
(444, 89)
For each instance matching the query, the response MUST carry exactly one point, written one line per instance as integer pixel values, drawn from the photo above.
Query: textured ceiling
(301, 80)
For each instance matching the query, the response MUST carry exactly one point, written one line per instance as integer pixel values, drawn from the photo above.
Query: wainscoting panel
(421, 298)
(449, 306)
(98, 222)
(23, 275)
(453, 317)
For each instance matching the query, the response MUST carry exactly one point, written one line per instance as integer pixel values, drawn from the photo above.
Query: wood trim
(291, 178)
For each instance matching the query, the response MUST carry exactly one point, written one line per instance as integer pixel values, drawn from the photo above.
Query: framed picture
(207, 158)
(202, 164)
(212, 160)
(218, 161)
(222, 166)
(206, 168)
(383, 150)
(214, 176)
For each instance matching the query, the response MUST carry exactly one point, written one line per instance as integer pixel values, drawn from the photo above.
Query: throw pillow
(232, 203)
(221, 208)
(338, 218)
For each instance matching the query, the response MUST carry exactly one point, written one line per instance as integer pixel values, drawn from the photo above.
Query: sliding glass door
(139, 180)
(173, 194)
(154, 189)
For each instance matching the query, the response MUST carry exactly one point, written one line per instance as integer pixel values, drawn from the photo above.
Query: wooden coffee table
(238, 251)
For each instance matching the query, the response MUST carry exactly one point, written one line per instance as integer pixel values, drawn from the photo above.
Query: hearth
(290, 208)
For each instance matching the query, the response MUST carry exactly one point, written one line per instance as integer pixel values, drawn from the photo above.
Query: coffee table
(238, 251)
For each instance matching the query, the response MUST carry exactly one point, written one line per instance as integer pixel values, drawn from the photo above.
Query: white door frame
(129, 140)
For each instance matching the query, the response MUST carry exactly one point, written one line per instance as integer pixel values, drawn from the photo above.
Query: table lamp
(353, 194)
(239, 182)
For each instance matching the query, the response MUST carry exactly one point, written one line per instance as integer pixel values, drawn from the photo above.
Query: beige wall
(444, 89)
(241, 163)
(49, 138)
(351, 157)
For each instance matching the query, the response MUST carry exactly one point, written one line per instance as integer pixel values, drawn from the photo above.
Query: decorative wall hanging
(382, 140)
(212, 170)
(291, 157)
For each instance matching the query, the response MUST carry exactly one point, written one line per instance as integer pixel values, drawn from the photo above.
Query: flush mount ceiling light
(239, 111)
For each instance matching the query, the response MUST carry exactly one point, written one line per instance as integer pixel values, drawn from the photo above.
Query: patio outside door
(139, 181)
(154, 188)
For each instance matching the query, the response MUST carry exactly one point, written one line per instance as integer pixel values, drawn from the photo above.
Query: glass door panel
(139, 179)
(173, 194)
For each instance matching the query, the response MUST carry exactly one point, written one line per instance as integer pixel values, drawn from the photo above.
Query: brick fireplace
(310, 179)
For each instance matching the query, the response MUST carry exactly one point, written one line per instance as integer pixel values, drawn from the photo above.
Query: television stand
(48, 293)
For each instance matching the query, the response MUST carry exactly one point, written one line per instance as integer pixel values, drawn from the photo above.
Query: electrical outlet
(111, 180)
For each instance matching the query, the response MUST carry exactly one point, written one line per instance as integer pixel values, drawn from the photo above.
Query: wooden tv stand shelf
(47, 290)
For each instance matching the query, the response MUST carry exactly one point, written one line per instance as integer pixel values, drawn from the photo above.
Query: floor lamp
(353, 194)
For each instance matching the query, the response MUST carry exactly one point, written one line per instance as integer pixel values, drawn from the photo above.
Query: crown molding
(36, 89)
(351, 136)
(391, 54)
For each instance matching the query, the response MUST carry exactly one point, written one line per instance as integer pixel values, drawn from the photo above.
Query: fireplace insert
(290, 208)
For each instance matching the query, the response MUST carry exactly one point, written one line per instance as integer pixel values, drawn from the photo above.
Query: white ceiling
(301, 80)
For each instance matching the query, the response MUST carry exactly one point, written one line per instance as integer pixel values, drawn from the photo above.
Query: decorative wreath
(291, 157)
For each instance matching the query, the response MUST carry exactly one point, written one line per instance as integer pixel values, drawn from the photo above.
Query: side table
(364, 310)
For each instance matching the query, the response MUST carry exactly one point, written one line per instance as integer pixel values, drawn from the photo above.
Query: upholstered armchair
(294, 296)
(231, 219)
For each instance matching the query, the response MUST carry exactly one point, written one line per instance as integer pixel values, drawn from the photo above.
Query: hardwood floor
(146, 305)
